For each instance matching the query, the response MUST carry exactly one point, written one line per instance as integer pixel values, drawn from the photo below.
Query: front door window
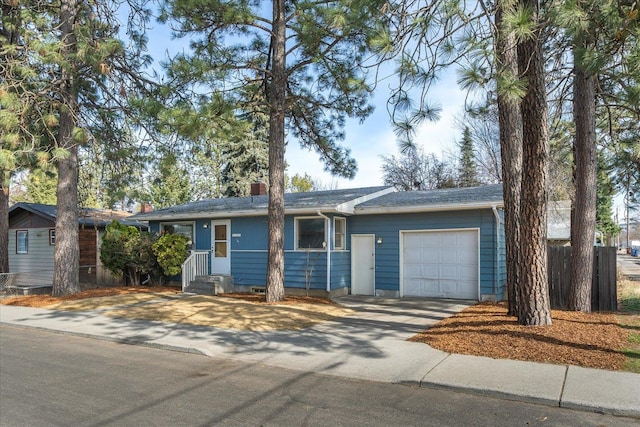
(220, 242)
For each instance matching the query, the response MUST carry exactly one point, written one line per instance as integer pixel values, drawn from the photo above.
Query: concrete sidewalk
(369, 345)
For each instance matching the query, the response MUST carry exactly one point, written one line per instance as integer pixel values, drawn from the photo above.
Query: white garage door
(440, 264)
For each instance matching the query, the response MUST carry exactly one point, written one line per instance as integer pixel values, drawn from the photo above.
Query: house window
(183, 228)
(52, 237)
(22, 241)
(339, 231)
(310, 233)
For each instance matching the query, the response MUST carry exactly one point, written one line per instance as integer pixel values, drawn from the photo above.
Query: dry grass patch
(248, 312)
(47, 301)
(235, 313)
(629, 298)
(592, 340)
(107, 301)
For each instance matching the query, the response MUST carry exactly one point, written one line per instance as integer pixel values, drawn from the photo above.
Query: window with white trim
(186, 229)
(22, 241)
(52, 237)
(339, 232)
(310, 233)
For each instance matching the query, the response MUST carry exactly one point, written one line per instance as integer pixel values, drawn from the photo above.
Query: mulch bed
(591, 340)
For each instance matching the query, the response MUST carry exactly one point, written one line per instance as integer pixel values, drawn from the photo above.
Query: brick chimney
(145, 207)
(258, 189)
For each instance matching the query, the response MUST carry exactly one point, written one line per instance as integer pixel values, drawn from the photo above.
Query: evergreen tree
(510, 124)
(65, 74)
(467, 175)
(170, 184)
(533, 290)
(300, 64)
(39, 187)
(604, 202)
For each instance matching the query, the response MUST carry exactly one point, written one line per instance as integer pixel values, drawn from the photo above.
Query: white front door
(363, 253)
(221, 247)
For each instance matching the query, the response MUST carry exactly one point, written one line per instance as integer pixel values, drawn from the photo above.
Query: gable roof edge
(29, 207)
(350, 206)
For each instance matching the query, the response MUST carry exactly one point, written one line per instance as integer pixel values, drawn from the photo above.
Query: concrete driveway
(397, 317)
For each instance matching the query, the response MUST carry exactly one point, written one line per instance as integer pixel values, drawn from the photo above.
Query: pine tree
(66, 77)
(39, 186)
(467, 175)
(510, 123)
(533, 288)
(300, 64)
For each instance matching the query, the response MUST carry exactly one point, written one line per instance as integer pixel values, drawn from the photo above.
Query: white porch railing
(197, 264)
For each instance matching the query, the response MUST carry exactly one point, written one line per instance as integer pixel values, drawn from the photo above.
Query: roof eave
(428, 208)
(238, 213)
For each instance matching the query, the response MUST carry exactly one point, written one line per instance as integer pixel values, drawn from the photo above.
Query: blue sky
(374, 138)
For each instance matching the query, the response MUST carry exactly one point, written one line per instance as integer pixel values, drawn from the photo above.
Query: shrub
(171, 251)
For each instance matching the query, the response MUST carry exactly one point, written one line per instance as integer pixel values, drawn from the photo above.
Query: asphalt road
(49, 379)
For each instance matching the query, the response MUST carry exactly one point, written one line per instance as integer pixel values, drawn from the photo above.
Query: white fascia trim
(350, 206)
(235, 214)
(426, 208)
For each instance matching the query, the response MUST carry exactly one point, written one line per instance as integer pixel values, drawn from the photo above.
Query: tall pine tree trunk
(277, 103)
(4, 222)
(534, 294)
(66, 252)
(510, 120)
(586, 182)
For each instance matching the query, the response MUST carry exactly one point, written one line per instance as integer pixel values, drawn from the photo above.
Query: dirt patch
(592, 340)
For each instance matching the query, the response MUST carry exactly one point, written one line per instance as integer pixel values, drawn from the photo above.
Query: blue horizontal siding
(249, 239)
(340, 270)
(389, 226)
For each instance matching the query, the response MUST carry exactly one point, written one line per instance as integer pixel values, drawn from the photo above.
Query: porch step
(210, 285)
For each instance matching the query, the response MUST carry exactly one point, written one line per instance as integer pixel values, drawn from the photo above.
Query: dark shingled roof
(86, 216)
(436, 199)
(311, 201)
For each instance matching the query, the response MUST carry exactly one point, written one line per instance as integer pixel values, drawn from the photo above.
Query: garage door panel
(448, 271)
(468, 256)
(447, 254)
(441, 264)
(425, 285)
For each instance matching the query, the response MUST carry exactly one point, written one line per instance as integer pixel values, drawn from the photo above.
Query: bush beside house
(133, 254)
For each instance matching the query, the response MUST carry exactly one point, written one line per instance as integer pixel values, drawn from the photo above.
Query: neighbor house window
(183, 228)
(339, 231)
(52, 237)
(22, 241)
(310, 233)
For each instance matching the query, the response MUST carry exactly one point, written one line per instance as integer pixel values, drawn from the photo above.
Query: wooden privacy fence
(604, 296)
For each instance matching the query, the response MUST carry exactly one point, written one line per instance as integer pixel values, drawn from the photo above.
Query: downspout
(495, 261)
(328, 250)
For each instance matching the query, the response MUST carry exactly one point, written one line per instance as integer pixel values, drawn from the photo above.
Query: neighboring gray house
(32, 240)
(367, 241)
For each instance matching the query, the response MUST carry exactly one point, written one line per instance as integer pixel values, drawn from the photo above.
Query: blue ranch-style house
(365, 241)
